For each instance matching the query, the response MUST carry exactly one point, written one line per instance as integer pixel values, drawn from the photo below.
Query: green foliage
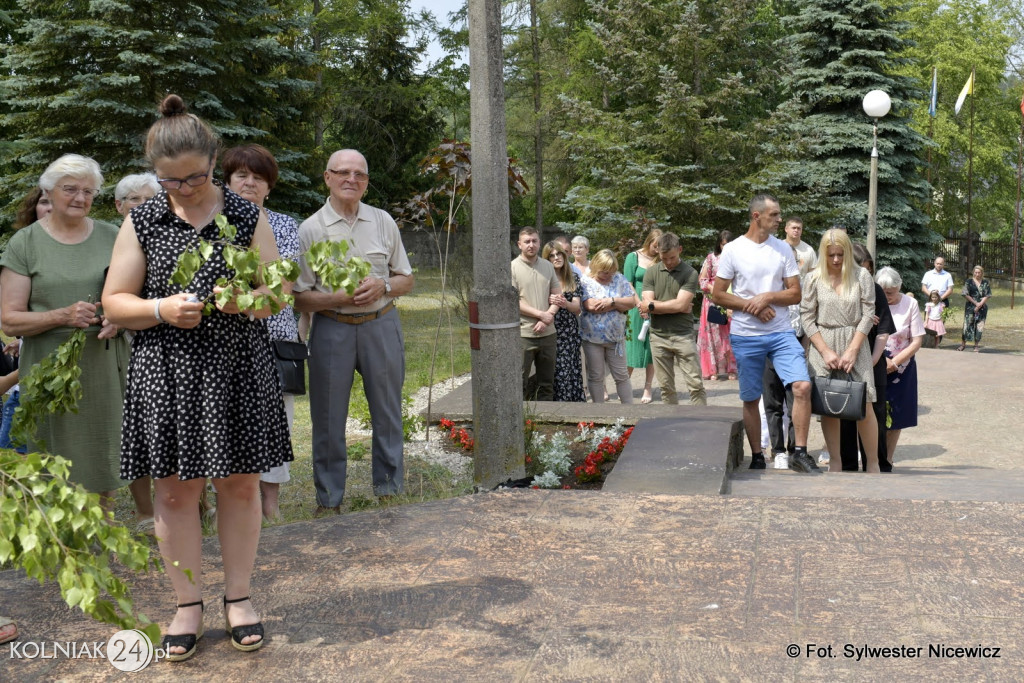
(331, 263)
(56, 531)
(820, 140)
(85, 76)
(661, 114)
(247, 268)
(50, 387)
(955, 37)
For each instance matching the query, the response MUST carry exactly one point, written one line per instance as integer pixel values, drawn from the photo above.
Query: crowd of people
(177, 391)
(775, 313)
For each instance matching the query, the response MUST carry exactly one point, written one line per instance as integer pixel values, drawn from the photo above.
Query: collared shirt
(937, 282)
(374, 237)
(665, 284)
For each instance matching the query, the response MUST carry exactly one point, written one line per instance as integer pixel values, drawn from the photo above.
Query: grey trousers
(376, 351)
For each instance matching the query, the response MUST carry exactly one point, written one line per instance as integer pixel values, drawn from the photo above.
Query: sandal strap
(193, 604)
(239, 632)
(228, 602)
(183, 640)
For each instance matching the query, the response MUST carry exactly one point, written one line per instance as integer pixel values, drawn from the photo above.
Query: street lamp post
(876, 105)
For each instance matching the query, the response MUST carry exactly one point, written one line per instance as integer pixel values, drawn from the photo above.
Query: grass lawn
(424, 480)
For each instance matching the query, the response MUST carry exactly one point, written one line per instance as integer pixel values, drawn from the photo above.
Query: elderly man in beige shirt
(358, 332)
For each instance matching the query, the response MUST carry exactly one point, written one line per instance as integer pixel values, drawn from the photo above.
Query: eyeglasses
(176, 183)
(357, 176)
(74, 190)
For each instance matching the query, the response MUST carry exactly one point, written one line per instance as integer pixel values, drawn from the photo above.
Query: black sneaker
(803, 463)
(757, 462)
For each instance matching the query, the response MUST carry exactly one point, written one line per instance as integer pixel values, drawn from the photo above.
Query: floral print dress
(568, 366)
(974, 321)
(712, 340)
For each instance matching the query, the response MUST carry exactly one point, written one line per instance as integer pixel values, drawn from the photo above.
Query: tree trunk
(538, 130)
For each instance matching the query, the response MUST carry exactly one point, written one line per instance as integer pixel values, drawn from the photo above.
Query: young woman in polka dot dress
(203, 398)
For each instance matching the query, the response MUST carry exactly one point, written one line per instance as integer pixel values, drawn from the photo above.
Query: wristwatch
(387, 287)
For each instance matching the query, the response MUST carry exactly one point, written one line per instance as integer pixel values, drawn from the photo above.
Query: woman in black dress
(202, 398)
(568, 367)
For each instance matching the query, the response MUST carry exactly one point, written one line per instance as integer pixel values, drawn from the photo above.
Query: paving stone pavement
(575, 585)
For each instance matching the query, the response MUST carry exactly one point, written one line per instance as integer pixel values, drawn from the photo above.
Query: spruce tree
(841, 50)
(86, 76)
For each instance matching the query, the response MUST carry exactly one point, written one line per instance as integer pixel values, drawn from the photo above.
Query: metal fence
(963, 253)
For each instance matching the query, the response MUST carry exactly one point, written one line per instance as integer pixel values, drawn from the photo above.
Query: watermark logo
(130, 650)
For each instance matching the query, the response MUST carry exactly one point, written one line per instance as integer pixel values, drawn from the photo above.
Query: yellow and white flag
(968, 90)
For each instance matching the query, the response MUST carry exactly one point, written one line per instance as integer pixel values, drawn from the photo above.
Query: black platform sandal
(239, 632)
(189, 641)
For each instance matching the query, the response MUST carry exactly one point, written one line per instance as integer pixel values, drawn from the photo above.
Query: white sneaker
(782, 461)
(823, 458)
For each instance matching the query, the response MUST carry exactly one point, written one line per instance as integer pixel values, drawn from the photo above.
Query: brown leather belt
(356, 318)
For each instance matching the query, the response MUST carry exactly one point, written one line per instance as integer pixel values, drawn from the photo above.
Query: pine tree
(86, 76)
(841, 50)
(661, 127)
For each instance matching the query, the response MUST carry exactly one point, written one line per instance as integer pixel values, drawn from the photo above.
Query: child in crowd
(933, 315)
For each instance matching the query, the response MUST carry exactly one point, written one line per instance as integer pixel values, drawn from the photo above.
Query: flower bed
(557, 455)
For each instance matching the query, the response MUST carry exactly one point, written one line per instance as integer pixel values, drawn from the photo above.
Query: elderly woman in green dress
(50, 284)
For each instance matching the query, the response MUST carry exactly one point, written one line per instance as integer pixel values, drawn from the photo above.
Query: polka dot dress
(203, 402)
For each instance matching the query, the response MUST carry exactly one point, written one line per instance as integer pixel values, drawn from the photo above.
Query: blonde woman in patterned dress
(837, 313)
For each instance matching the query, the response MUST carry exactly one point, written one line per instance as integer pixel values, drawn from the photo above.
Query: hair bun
(172, 106)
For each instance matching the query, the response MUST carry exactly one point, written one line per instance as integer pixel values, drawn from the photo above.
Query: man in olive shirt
(669, 287)
(535, 279)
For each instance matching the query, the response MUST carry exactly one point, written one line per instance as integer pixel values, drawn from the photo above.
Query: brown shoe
(322, 511)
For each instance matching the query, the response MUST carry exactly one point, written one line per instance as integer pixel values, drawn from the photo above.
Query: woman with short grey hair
(135, 190)
(581, 254)
(901, 368)
(50, 284)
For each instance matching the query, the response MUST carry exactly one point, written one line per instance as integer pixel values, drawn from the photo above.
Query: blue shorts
(785, 352)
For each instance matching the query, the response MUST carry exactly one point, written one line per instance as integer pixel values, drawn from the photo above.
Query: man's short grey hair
(135, 183)
(888, 277)
(74, 166)
(759, 202)
(580, 239)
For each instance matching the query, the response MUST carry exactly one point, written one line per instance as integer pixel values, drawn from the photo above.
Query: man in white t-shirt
(938, 280)
(806, 257)
(765, 280)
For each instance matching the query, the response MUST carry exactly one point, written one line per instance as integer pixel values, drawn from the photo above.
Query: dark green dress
(974, 321)
(638, 353)
(63, 274)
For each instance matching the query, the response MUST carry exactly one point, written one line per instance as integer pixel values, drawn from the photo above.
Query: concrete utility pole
(494, 310)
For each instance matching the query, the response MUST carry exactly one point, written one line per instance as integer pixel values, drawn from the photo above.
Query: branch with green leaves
(328, 259)
(51, 387)
(55, 530)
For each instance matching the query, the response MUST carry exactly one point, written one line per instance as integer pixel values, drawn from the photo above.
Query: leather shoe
(803, 463)
(323, 511)
(757, 462)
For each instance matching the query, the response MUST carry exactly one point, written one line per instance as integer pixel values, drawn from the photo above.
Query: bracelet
(156, 311)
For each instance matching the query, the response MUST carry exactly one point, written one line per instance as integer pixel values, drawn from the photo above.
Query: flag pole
(970, 173)
(931, 131)
(1016, 222)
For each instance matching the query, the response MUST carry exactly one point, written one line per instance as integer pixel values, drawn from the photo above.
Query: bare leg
(180, 539)
(801, 412)
(238, 526)
(271, 500)
(830, 430)
(141, 490)
(892, 437)
(868, 430)
(752, 424)
(648, 383)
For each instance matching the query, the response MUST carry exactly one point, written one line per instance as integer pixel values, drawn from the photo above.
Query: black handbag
(845, 399)
(717, 315)
(291, 365)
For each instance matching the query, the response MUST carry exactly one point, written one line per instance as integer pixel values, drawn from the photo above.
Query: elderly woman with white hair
(50, 284)
(135, 190)
(903, 344)
(581, 255)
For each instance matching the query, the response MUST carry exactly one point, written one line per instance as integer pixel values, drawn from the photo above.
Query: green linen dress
(638, 353)
(63, 274)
